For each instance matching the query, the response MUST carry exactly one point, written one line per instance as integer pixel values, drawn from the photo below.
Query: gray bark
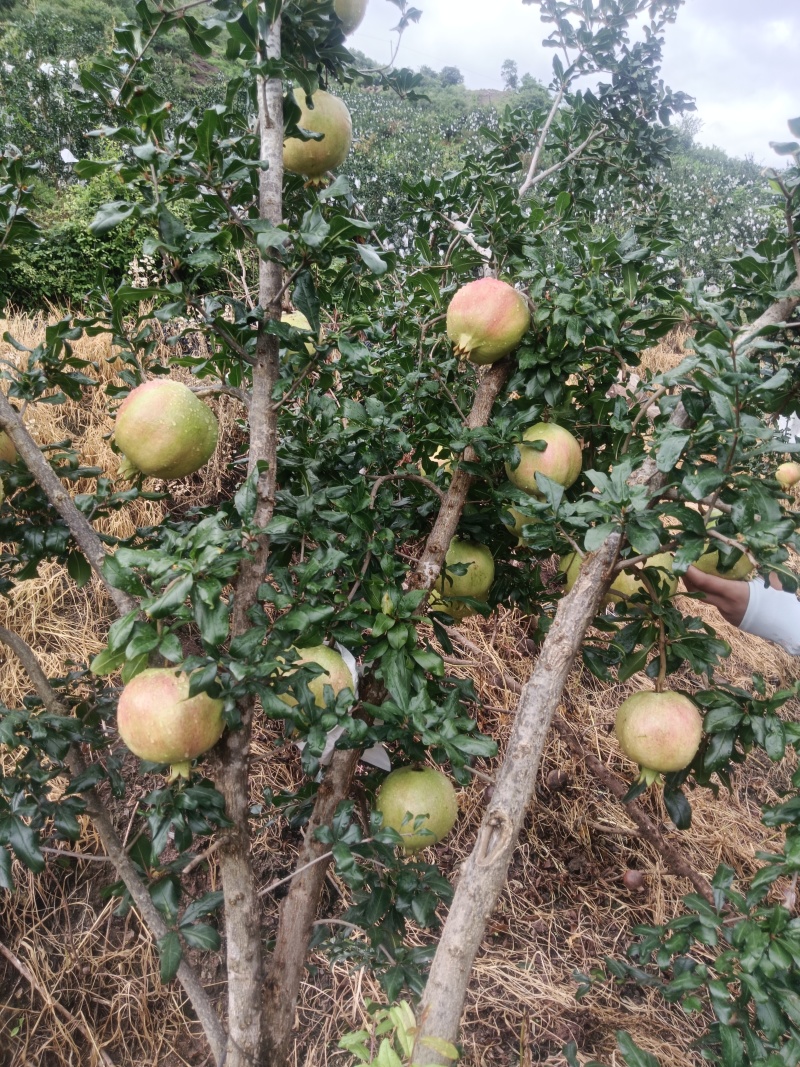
(243, 913)
(80, 528)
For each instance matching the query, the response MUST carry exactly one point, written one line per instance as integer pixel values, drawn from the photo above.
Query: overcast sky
(738, 58)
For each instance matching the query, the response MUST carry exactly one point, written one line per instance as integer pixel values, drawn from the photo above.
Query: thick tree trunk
(484, 874)
(298, 911)
(243, 913)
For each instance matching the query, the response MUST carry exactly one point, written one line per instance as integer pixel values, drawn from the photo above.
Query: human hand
(729, 597)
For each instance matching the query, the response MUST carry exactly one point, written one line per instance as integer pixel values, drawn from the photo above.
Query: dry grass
(564, 909)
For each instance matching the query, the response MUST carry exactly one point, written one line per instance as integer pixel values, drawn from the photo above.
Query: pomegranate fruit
(626, 583)
(351, 13)
(659, 731)
(788, 474)
(164, 431)
(337, 674)
(486, 320)
(519, 519)
(160, 722)
(8, 453)
(300, 322)
(709, 564)
(408, 795)
(560, 460)
(476, 583)
(313, 159)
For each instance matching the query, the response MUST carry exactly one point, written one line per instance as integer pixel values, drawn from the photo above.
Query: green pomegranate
(300, 322)
(351, 13)
(560, 461)
(337, 674)
(164, 430)
(313, 159)
(486, 320)
(8, 453)
(659, 731)
(407, 795)
(626, 583)
(788, 474)
(160, 722)
(476, 583)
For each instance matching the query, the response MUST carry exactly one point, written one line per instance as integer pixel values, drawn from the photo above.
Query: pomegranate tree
(486, 320)
(328, 116)
(560, 460)
(164, 430)
(420, 804)
(659, 731)
(160, 722)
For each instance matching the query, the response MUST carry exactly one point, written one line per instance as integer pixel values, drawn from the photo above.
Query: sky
(737, 58)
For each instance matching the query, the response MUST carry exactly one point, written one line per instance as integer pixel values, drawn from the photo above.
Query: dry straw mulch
(564, 909)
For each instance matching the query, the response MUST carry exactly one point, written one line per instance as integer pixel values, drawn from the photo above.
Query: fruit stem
(180, 770)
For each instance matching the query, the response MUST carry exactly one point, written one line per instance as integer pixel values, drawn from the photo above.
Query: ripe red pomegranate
(164, 431)
(486, 320)
(351, 12)
(313, 159)
(659, 731)
(158, 721)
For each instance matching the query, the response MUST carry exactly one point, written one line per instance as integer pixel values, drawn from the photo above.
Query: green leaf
(170, 952)
(305, 299)
(6, 880)
(111, 215)
(134, 666)
(444, 1048)
(203, 937)
(172, 597)
(632, 1054)
(78, 568)
(204, 905)
(678, 807)
(669, 451)
(794, 127)
(372, 260)
(23, 840)
(784, 148)
(630, 281)
(597, 536)
(107, 662)
(165, 895)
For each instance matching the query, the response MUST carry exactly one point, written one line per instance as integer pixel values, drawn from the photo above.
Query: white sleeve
(774, 615)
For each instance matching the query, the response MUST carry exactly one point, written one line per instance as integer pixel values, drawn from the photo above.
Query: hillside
(716, 204)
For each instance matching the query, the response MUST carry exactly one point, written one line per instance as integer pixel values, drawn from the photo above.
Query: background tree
(508, 72)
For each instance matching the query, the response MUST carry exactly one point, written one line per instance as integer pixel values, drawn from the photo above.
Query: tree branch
(80, 528)
(431, 561)
(534, 165)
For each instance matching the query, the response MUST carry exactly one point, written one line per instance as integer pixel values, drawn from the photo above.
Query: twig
(563, 162)
(732, 543)
(90, 857)
(225, 390)
(85, 536)
(534, 165)
(293, 874)
(56, 1005)
(402, 477)
(203, 856)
